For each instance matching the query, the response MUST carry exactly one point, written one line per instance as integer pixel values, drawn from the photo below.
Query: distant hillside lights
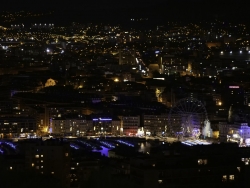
(50, 82)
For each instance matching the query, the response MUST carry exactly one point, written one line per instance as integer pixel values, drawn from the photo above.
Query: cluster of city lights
(125, 143)
(107, 144)
(222, 52)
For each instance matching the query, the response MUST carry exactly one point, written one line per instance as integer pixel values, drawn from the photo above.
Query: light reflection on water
(104, 151)
(144, 147)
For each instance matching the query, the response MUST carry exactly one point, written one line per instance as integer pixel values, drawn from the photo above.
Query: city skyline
(108, 94)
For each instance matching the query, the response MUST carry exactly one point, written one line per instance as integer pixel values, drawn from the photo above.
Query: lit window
(231, 177)
(10, 167)
(41, 161)
(41, 166)
(52, 172)
(200, 162)
(37, 167)
(41, 155)
(41, 172)
(205, 161)
(160, 181)
(32, 164)
(224, 178)
(37, 156)
(238, 168)
(66, 154)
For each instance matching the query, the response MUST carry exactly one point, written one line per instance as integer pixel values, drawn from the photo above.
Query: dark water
(144, 147)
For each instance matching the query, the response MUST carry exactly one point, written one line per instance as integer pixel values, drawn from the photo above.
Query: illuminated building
(40, 122)
(155, 124)
(17, 127)
(102, 126)
(235, 132)
(130, 125)
(116, 126)
(85, 125)
(55, 111)
(68, 126)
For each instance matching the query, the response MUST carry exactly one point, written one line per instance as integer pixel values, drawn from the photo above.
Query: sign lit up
(102, 119)
(234, 87)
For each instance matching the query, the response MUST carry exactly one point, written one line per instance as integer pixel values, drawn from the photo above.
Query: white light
(241, 52)
(231, 52)
(221, 52)
(48, 50)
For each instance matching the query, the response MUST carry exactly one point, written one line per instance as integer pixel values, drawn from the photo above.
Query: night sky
(158, 10)
(89, 4)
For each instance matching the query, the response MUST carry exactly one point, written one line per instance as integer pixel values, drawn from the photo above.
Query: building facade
(131, 125)
(17, 127)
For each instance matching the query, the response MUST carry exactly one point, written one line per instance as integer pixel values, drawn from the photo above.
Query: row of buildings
(92, 125)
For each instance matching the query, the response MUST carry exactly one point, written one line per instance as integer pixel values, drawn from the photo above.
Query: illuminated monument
(50, 82)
